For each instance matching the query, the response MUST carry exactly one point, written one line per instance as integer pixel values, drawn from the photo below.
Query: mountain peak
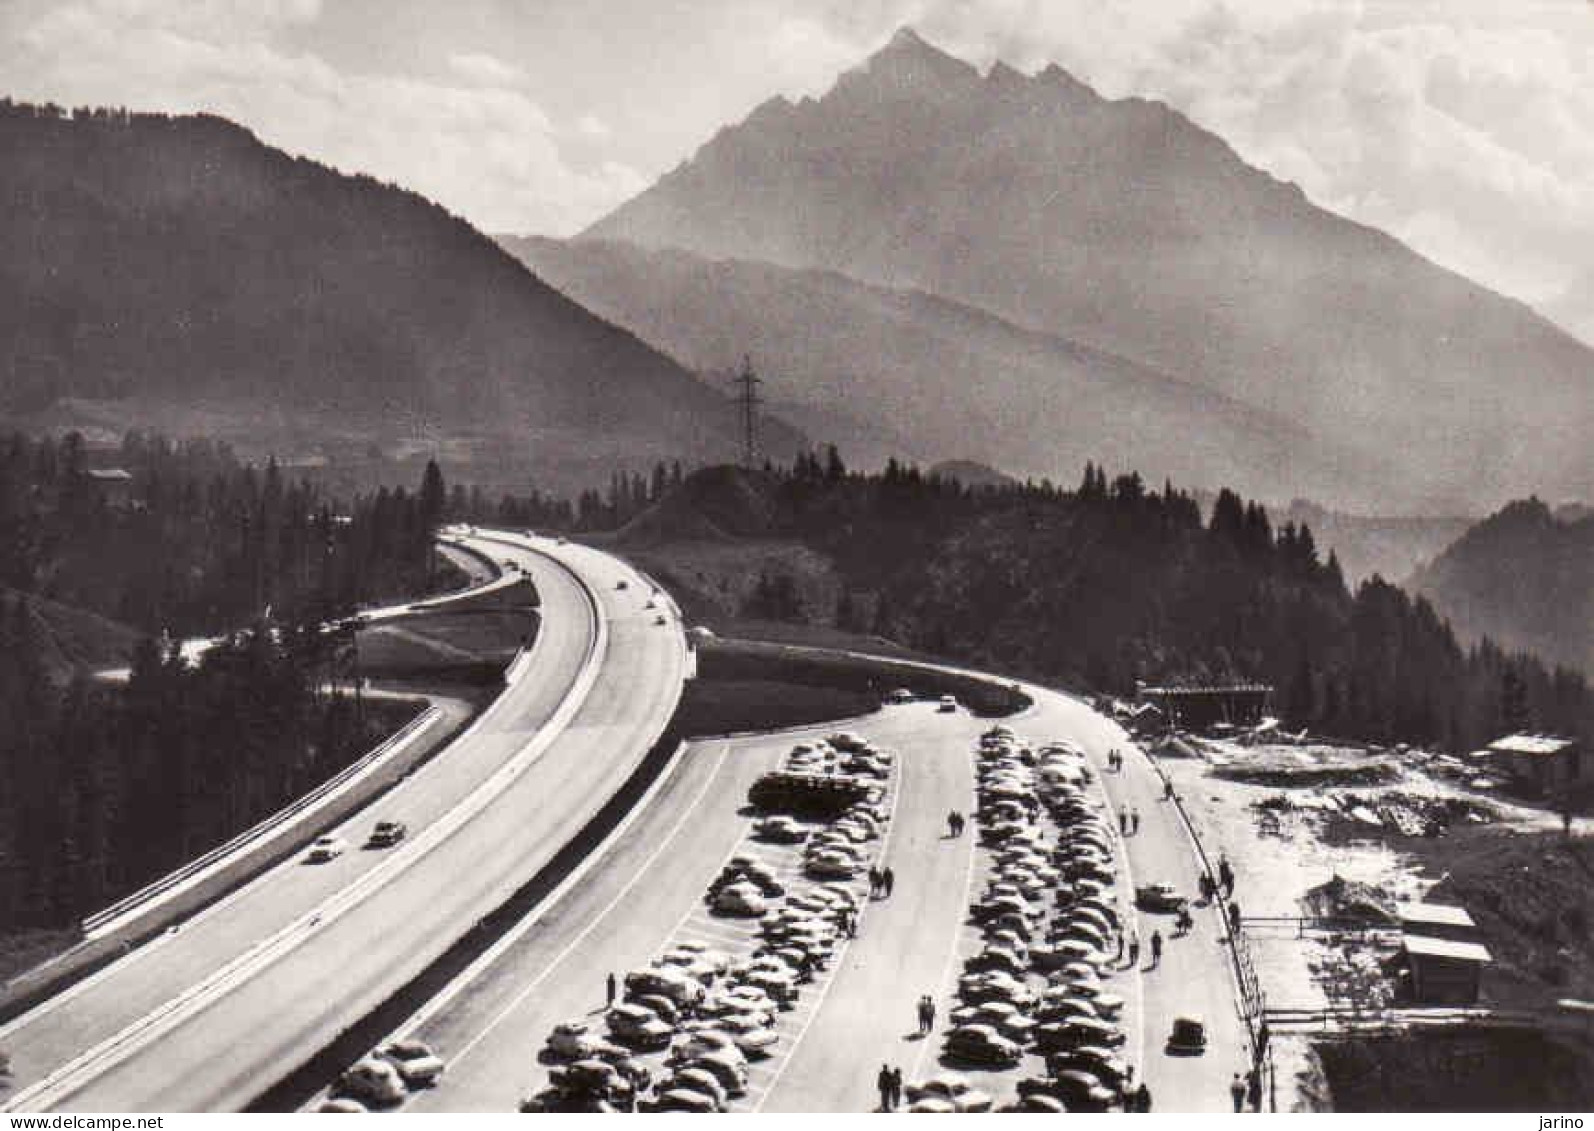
(908, 61)
(906, 39)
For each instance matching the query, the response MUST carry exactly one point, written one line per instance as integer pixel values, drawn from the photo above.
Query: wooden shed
(1444, 971)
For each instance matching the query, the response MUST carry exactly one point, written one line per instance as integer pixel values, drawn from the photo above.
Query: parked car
(741, 900)
(571, 1040)
(950, 1088)
(374, 1082)
(387, 833)
(677, 985)
(728, 1066)
(696, 1079)
(780, 829)
(638, 1026)
(947, 705)
(1100, 1062)
(415, 1060)
(752, 1036)
(342, 1105)
(682, 1099)
(983, 1045)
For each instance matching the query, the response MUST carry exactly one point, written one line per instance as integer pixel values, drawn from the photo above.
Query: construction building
(1541, 764)
(1195, 708)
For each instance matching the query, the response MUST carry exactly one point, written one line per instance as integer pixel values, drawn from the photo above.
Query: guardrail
(245, 965)
(139, 900)
(200, 881)
(1253, 1001)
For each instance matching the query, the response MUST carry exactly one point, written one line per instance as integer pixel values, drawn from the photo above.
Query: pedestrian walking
(952, 823)
(1205, 883)
(1234, 917)
(1142, 1097)
(1134, 947)
(896, 1087)
(1123, 820)
(613, 987)
(874, 882)
(1156, 949)
(1253, 1089)
(1225, 876)
(888, 882)
(883, 1082)
(1237, 1091)
(1167, 788)
(1134, 821)
(1119, 957)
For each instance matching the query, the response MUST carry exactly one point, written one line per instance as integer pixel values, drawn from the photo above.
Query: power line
(748, 400)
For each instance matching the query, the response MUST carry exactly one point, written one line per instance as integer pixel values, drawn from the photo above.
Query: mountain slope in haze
(155, 262)
(1574, 308)
(1123, 225)
(1390, 546)
(1522, 577)
(951, 380)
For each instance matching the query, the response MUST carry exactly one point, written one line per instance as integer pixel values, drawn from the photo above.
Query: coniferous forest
(1115, 582)
(108, 787)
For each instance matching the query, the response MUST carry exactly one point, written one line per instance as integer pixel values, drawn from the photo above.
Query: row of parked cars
(385, 1077)
(1047, 918)
(710, 1012)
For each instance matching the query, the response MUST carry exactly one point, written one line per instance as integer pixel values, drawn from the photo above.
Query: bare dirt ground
(1328, 831)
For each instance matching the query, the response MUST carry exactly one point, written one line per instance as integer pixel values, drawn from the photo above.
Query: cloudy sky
(1466, 127)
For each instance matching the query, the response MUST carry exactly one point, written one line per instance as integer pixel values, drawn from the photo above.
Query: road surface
(644, 892)
(273, 971)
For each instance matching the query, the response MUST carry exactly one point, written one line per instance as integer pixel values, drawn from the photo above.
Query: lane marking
(273, 875)
(900, 764)
(559, 959)
(968, 898)
(81, 1071)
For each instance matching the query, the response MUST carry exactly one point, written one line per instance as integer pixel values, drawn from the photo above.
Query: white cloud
(477, 144)
(483, 69)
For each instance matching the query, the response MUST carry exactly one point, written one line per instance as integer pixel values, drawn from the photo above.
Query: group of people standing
(881, 882)
(1246, 1088)
(890, 1084)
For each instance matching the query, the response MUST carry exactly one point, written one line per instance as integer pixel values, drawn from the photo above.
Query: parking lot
(644, 897)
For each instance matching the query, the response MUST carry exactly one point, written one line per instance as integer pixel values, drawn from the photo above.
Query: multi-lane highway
(208, 1015)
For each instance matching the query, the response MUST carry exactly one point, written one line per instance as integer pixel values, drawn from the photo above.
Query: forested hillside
(197, 541)
(174, 273)
(1107, 584)
(1525, 576)
(106, 787)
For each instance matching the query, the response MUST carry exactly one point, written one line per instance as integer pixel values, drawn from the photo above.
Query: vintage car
(1159, 897)
(1188, 1038)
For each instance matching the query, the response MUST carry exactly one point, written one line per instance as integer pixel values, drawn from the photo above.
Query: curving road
(274, 971)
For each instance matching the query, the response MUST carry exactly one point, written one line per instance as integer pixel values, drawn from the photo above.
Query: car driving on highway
(324, 849)
(387, 833)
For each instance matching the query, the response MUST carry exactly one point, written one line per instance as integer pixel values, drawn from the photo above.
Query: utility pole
(747, 400)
